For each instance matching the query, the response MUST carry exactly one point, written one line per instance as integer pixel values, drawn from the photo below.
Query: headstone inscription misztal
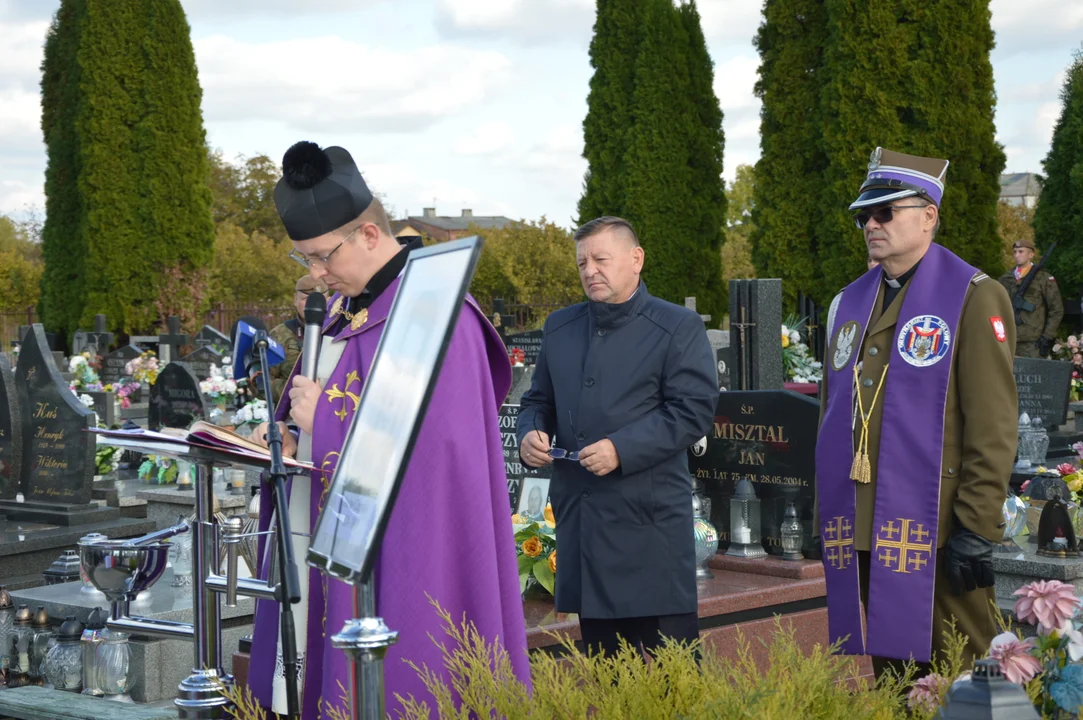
(768, 437)
(58, 451)
(1043, 387)
(175, 399)
(517, 472)
(529, 342)
(11, 437)
(113, 363)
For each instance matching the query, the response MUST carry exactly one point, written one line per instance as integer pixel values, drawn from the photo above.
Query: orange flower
(517, 519)
(553, 561)
(532, 547)
(549, 514)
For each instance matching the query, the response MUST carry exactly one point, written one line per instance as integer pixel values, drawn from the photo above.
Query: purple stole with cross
(907, 506)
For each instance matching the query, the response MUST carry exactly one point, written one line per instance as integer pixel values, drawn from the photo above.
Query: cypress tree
(64, 236)
(705, 145)
(788, 175)
(916, 78)
(1059, 214)
(139, 169)
(618, 31)
(659, 177)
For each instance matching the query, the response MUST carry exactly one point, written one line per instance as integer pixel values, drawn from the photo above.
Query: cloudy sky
(467, 103)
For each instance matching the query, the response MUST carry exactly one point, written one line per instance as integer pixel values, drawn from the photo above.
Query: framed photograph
(396, 394)
(533, 498)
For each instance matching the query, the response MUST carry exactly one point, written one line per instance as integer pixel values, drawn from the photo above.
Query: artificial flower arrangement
(219, 387)
(1071, 350)
(157, 469)
(84, 368)
(254, 412)
(517, 357)
(143, 369)
(1047, 665)
(798, 363)
(124, 389)
(106, 459)
(536, 548)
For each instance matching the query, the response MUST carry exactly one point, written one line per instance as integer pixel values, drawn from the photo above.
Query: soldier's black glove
(969, 559)
(1045, 346)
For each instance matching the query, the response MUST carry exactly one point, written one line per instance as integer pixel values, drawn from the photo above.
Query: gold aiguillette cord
(861, 470)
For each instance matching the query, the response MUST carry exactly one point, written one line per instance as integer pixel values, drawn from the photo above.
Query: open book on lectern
(393, 402)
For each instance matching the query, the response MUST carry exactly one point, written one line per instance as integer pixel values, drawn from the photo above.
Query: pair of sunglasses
(560, 453)
(882, 215)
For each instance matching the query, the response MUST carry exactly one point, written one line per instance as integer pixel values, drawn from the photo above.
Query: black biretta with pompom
(320, 190)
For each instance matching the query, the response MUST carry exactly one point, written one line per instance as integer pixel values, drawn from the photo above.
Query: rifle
(1018, 303)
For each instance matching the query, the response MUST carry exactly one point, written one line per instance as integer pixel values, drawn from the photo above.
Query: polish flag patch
(998, 328)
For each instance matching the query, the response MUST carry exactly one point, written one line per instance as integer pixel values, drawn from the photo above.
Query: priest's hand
(534, 450)
(289, 442)
(600, 458)
(969, 559)
(304, 395)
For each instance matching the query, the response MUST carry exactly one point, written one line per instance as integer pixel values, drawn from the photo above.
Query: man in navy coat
(624, 384)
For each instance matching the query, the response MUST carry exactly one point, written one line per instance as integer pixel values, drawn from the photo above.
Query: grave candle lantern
(745, 538)
(705, 533)
(41, 641)
(7, 624)
(791, 534)
(987, 695)
(63, 665)
(90, 641)
(20, 636)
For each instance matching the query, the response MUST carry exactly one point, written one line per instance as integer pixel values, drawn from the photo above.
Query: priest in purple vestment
(449, 535)
(918, 430)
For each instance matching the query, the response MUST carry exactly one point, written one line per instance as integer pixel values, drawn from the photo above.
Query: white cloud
(731, 20)
(258, 8)
(16, 197)
(19, 119)
(316, 84)
(734, 82)
(20, 63)
(534, 21)
(488, 138)
(1036, 25)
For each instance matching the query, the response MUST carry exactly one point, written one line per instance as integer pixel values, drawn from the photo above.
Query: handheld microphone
(315, 311)
(245, 352)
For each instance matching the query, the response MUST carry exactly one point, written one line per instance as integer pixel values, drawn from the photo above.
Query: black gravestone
(1043, 387)
(79, 342)
(58, 453)
(113, 363)
(517, 472)
(201, 359)
(175, 399)
(11, 437)
(211, 336)
(755, 334)
(529, 342)
(769, 437)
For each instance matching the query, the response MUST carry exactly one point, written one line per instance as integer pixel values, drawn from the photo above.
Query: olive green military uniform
(979, 444)
(286, 336)
(1048, 311)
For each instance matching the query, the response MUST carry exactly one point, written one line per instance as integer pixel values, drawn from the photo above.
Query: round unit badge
(924, 340)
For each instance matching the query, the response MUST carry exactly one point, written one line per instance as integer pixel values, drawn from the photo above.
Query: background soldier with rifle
(1035, 299)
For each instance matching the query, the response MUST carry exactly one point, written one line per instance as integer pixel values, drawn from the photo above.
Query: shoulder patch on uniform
(1051, 278)
(998, 328)
(978, 278)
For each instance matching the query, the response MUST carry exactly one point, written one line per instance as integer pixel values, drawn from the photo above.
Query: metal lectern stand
(365, 641)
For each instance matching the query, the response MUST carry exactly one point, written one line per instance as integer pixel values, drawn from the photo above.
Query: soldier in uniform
(291, 334)
(917, 431)
(1038, 327)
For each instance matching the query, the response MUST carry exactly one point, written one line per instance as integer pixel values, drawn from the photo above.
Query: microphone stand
(288, 591)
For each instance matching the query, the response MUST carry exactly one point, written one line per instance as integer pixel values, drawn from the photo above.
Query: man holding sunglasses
(291, 334)
(465, 556)
(624, 384)
(917, 430)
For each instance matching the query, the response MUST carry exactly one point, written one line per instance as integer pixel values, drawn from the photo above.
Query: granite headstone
(175, 399)
(11, 437)
(768, 437)
(529, 342)
(720, 345)
(201, 359)
(1043, 387)
(113, 363)
(516, 471)
(755, 334)
(58, 453)
(208, 335)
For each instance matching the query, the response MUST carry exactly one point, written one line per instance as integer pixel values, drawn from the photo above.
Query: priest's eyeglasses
(321, 261)
(883, 215)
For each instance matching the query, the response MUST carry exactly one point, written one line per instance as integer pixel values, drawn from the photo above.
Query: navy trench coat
(640, 373)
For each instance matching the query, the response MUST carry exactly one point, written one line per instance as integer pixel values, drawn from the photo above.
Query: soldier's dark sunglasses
(882, 215)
